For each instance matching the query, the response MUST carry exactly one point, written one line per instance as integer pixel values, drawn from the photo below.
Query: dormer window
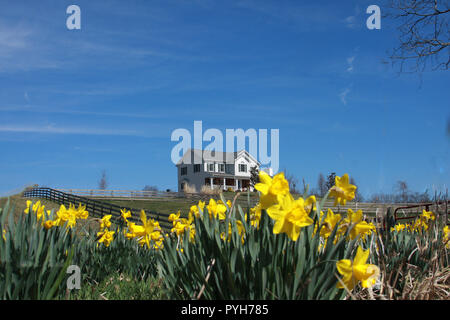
(242, 168)
(183, 171)
(196, 168)
(221, 167)
(211, 167)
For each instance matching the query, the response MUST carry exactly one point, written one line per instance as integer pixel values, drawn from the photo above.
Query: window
(196, 168)
(211, 167)
(184, 171)
(242, 168)
(221, 167)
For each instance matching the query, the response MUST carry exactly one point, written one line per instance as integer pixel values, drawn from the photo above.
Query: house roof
(196, 155)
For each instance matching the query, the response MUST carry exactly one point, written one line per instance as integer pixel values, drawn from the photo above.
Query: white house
(223, 170)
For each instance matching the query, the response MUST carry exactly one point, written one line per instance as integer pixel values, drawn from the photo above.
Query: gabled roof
(196, 155)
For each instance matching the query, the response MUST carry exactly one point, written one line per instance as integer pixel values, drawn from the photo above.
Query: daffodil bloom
(425, 218)
(428, 215)
(194, 211)
(310, 203)
(290, 216)
(125, 214)
(179, 228)
(158, 244)
(105, 222)
(201, 205)
(134, 230)
(64, 216)
(398, 227)
(342, 191)
(4, 235)
(105, 237)
(216, 209)
(79, 213)
(447, 236)
(27, 209)
(48, 224)
(143, 233)
(174, 217)
(360, 227)
(272, 190)
(255, 216)
(37, 208)
(329, 223)
(357, 270)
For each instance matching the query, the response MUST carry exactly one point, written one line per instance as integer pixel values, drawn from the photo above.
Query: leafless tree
(402, 188)
(321, 185)
(103, 183)
(424, 34)
(293, 181)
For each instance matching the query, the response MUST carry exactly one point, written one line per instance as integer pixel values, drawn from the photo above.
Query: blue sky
(107, 97)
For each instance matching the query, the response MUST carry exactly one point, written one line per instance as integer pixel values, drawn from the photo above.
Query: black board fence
(96, 208)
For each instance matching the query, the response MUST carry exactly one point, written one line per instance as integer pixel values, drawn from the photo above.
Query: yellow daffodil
(446, 237)
(360, 227)
(27, 209)
(398, 227)
(80, 212)
(310, 203)
(194, 211)
(149, 230)
(342, 191)
(105, 237)
(290, 216)
(216, 209)
(201, 205)
(255, 216)
(357, 270)
(174, 217)
(329, 223)
(428, 215)
(48, 224)
(105, 222)
(37, 208)
(134, 230)
(272, 189)
(125, 214)
(424, 220)
(64, 216)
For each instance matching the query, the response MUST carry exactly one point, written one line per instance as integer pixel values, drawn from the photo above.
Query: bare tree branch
(424, 35)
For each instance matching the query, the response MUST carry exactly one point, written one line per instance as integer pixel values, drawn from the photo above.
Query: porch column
(236, 184)
(211, 182)
(224, 184)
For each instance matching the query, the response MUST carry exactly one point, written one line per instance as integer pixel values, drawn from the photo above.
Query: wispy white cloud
(51, 129)
(352, 21)
(350, 66)
(343, 95)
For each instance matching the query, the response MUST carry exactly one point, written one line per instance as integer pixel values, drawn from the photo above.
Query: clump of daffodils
(290, 214)
(149, 233)
(63, 217)
(420, 224)
(105, 236)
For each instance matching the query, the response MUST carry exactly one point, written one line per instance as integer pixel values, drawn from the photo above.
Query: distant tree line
(400, 194)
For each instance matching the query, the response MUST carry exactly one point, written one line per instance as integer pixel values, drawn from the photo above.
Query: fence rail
(94, 207)
(134, 194)
(88, 197)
